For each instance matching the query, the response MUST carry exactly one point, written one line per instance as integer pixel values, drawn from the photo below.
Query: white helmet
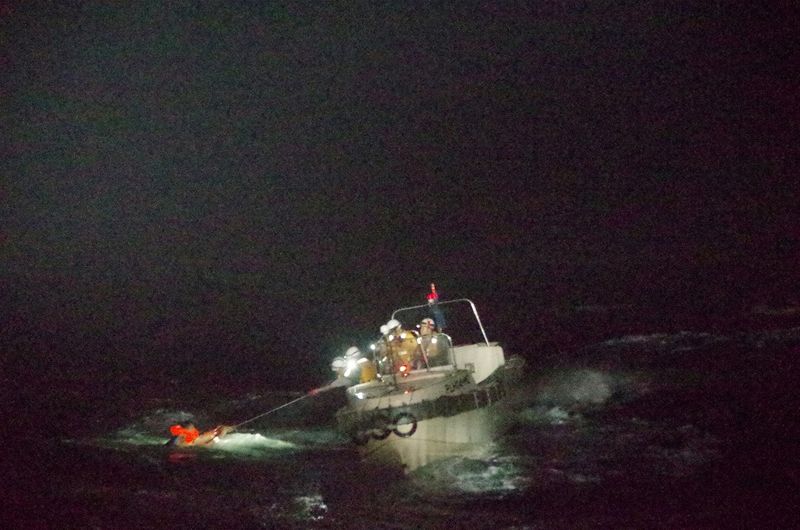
(384, 329)
(338, 364)
(393, 323)
(352, 351)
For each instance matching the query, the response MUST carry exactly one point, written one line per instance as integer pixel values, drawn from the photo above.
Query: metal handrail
(474, 311)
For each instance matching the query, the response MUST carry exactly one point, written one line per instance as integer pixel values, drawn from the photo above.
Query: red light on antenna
(433, 296)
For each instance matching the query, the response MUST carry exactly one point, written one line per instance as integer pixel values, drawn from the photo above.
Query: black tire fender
(360, 438)
(404, 419)
(380, 427)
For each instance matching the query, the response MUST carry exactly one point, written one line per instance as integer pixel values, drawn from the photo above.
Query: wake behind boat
(431, 398)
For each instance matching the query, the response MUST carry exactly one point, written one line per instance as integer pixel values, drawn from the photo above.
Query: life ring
(405, 419)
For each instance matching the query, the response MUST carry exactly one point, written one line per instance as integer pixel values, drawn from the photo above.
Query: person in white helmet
(392, 325)
(381, 353)
(426, 327)
(358, 368)
(402, 346)
(351, 358)
(431, 343)
(339, 366)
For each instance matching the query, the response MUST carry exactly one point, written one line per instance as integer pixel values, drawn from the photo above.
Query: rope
(272, 410)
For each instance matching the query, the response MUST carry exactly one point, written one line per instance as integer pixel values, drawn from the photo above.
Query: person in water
(187, 435)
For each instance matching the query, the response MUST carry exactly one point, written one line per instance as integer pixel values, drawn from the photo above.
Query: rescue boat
(431, 398)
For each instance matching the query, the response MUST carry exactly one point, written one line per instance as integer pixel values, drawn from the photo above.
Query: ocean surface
(691, 428)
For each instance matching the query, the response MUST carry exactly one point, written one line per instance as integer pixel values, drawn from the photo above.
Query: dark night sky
(244, 183)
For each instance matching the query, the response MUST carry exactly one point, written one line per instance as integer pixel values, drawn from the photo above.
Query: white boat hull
(426, 417)
(435, 439)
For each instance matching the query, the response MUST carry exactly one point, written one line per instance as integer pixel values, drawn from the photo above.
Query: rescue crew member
(367, 370)
(338, 366)
(358, 368)
(381, 353)
(427, 347)
(346, 369)
(186, 434)
(431, 343)
(426, 327)
(402, 346)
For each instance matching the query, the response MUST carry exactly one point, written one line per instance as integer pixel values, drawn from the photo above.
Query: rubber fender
(405, 419)
(360, 438)
(380, 427)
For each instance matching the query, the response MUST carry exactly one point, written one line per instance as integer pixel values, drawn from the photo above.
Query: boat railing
(438, 305)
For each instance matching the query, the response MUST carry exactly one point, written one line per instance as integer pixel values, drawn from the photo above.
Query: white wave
(312, 507)
(681, 341)
(776, 311)
(637, 339)
(131, 436)
(472, 475)
(599, 308)
(775, 335)
(579, 386)
(547, 416)
(656, 338)
(690, 340)
(248, 443)
(314, 437)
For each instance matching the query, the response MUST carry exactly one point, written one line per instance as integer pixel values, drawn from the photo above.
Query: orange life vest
(189, 435)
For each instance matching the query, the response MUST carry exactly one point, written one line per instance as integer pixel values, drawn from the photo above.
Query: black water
(662, 428)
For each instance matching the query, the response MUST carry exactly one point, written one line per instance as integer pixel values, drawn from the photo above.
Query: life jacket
(404, 343)
(368, 372)
(189, 435)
